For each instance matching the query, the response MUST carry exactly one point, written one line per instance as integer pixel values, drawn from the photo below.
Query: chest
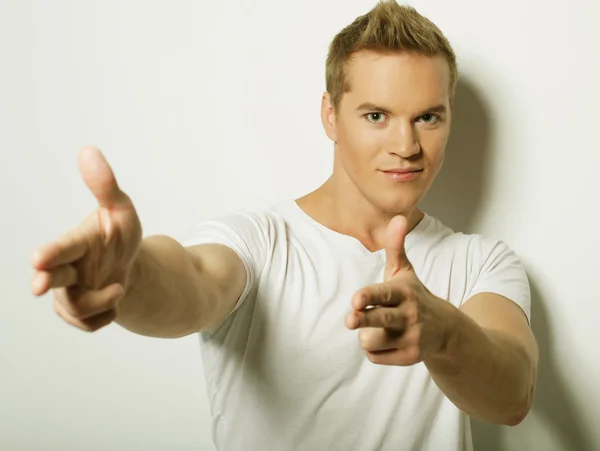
(302, 299)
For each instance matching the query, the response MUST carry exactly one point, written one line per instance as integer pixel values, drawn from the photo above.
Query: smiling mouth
(403, 170)
(403, 175)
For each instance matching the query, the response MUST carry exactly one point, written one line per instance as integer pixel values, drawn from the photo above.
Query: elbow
(512, 417)
(520, 412)
(516, 419)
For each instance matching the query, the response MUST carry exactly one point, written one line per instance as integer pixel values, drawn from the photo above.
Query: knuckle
(75, 310)
(66, 317)
(61, 277)
(366, 339)
(410, 312)
(57, 309)
(360, 299)
(59, 294)
(62, 304)
(103, 320)
(387, 318)
(415, 316)
(385, 293)
(111, 301)
(70, 276)
(363, 338)
(412, 294)
(85, 327)
(85, 304)
(374, 358)
(414, 337)
(413, 354)
(111, 315)
(89, 325)
(92, 327)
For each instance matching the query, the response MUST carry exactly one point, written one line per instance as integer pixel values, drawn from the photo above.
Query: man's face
(395, 118)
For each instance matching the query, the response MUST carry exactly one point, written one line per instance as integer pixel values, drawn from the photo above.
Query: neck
(339, 206)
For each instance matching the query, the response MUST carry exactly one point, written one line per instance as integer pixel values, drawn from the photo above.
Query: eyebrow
(368, 106)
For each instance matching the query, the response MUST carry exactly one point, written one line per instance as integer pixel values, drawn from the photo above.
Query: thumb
(395, 253)
(99, 178)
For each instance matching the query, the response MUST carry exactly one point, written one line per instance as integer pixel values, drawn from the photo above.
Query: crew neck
(293, 208)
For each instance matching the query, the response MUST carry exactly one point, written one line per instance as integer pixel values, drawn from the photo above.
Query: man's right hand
(89, 268)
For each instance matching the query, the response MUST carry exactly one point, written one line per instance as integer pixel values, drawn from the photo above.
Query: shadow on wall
(455, 198)
(553, 402)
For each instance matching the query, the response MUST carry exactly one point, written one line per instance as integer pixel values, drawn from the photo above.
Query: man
(345, 320)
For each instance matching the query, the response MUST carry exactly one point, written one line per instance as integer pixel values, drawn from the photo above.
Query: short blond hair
(387, 28)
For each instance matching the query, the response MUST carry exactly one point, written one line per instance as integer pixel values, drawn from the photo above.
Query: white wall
(206, 107)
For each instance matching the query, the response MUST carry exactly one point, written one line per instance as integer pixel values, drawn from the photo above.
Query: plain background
(203, 108)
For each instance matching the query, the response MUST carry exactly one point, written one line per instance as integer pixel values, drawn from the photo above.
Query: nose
(404, 140)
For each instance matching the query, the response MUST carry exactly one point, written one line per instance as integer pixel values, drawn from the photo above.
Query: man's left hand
(400, 321)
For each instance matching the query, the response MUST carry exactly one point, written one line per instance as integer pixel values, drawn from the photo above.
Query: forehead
(397, 77)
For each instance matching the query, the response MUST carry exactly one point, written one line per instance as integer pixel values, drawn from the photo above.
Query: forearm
(165, 296)
(486, 373)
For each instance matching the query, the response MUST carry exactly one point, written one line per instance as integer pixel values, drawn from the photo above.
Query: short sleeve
(246, 233)
(502, 273)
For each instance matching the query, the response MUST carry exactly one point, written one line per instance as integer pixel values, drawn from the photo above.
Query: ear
(328, 117)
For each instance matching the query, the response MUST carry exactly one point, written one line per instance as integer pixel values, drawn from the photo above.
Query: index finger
(65, 250)
(383, 317)
(384, 294)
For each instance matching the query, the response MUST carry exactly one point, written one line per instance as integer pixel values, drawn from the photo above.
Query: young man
(345, 320)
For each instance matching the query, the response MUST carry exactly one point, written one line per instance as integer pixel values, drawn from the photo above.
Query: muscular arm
(489, 366)
(175, 291)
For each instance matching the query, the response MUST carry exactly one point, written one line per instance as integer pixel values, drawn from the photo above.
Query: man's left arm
(488, 365)
(483, 356)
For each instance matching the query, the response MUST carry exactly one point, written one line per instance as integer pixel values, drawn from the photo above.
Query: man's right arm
(103, 271)
(175, 291)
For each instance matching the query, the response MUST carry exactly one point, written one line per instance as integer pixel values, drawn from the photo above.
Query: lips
(403, 170)
(403, 174)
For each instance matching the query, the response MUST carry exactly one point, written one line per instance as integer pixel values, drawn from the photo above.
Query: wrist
(135, 283)
(449, 326)
(138, 270)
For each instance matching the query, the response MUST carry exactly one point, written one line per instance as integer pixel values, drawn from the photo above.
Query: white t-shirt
(283, 372)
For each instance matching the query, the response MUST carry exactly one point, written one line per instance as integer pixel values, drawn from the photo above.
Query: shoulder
(484, 263)
(247, 224)
(474, 247)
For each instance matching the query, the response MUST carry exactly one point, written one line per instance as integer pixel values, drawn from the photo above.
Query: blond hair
(387, 28)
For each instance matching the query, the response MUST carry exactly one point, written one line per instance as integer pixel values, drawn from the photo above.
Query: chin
(397, 205)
